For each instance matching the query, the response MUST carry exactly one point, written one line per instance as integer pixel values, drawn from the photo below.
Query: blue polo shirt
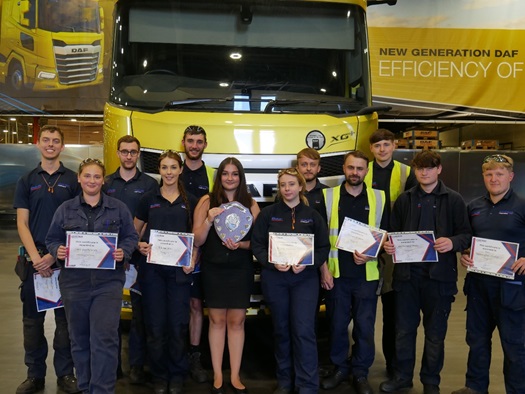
(160, 214)
(504, 221)
(129, 192)
(195, 181)
(42, 193)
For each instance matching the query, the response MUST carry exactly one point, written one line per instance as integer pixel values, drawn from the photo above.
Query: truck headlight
(46, 75)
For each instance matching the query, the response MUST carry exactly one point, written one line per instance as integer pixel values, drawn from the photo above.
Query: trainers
(198, 374)
(362, 386)
(468, 390)
(393, 385)
(31, 385)
(137, 375)
(430, 389)
(68, 384)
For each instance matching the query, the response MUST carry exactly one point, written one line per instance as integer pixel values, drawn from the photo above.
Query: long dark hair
(218, 196)
(171, 154)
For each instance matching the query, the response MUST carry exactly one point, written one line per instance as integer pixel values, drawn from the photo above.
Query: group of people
(168, 300)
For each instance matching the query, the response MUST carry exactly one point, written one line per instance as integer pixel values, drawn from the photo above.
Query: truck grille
(77, 64)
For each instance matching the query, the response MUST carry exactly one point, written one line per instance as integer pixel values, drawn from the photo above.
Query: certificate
(491, 257)
(291, 248)
(47, 291)
(414, 246)
(91, 250)
(357, 236)
(170, 248)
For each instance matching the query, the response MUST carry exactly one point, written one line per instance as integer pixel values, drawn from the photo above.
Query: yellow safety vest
(398, 179)
(210, 173)
(376, 202)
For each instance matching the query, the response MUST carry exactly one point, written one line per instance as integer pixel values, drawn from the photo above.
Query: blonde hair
(300, 178)
(492, 162)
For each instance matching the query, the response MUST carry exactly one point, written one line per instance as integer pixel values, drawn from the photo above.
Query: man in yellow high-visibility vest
(353, 295)
(393, 177)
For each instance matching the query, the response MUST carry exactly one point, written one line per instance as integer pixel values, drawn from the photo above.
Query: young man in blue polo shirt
(129, 184)
(38, 195)
(198, 181)
(496, 301)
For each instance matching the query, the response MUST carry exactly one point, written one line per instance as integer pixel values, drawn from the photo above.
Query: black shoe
(31, 385)
(334, 380)
(362, 386)
(324, 372)
(175, 388)
(68, 384)
(430, 389)
(198, 374)
(396, 384)
(217, 390)
(282, 390)
(238, 391)
(137, 375)
(160, 387)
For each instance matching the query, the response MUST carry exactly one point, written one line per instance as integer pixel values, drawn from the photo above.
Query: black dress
(227, 275)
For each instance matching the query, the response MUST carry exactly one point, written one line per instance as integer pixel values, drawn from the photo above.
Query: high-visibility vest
(398, 179)
(376, 202)
(210, 173)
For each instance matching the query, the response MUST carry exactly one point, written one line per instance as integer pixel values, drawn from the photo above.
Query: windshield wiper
(343, 106)
(181, 103)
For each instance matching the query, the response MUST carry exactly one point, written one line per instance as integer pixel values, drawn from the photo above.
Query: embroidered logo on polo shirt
(153, 206)
(63, 185)
(506, 212)
(111, 191)
(36, 187)
(475, 213)
(138, 191)
(274, 219)
(306, 221)
(203, 187)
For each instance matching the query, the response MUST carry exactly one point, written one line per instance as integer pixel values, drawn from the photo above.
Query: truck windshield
(68, 16)
(300, 56)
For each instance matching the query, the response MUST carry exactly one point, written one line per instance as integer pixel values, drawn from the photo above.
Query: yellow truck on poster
(50, 45)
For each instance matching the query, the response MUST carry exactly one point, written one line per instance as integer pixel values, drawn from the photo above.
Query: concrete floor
(257, 370)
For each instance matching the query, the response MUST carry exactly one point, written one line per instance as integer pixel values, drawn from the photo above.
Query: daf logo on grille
(79, 50)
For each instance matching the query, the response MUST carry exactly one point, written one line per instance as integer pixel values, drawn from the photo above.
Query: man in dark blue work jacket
(128, 184)
(426, 287)
(496, 301)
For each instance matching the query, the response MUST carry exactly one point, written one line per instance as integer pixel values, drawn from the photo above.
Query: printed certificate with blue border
(47, 291)
(414, 247)
(170, 248)
(492, 257)
(360, 237)
(92, 250)
(291, 248)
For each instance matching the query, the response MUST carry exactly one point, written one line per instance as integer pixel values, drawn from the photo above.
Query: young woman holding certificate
(166, 217)
(291, 288)
(227, 271)
(89, 224)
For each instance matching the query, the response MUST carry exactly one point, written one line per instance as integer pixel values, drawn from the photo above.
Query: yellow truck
(264, 78)
(50, 45)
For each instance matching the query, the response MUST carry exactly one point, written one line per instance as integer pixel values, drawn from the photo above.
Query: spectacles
(125, 152)
(496, 158)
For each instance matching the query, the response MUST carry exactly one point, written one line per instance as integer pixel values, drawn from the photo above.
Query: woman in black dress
(227, 271)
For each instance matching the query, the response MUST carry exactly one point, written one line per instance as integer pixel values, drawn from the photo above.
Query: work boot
(198, 374)
(137, 375)
(468, 390)
(31, 385)
(68, 384)
(334, 380)
(393, 385)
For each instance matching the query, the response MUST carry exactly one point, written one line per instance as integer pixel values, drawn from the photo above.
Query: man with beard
(198, 180)
(128, 184)
(355, 277)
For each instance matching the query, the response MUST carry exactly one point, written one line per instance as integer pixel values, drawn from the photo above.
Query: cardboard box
(422, 134)
(480, 144)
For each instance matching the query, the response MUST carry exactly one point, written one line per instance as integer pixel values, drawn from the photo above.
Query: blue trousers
(495, 302)
(166, 302)
(352, 299)
(93, 299)
(292, 299)
(35, 343)
(434, 300)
